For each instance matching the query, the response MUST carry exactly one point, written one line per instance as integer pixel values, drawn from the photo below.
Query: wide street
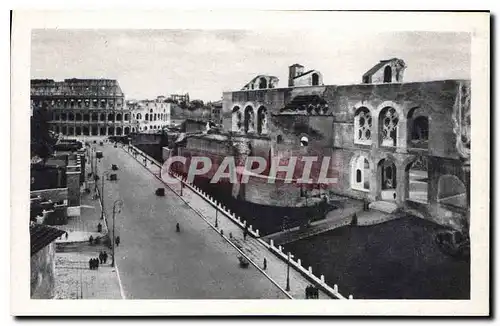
(156, 262)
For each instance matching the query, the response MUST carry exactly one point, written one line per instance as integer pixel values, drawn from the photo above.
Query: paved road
(154, 261)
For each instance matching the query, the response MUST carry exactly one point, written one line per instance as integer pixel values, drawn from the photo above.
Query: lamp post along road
(104, 176)
(118, 202)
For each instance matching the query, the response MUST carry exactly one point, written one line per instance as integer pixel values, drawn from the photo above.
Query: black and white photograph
(275, 158)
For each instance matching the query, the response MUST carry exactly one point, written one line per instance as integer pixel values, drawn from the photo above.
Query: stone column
(402, 184)
(402, 135)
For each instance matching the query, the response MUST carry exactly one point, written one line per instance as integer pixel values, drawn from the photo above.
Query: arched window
(236, 119)
(102, 117)
(146, 117)
(315, 79)
(363, 126)
(63, 116)
(262, 120)
(71, 116)
(388, 125)
(86, 117)
(361, 174)
(78, 117)
(262, 83)
(94, 116)
(249, 119)
(387, 74)
(420, 130)
(118, 118)
(138, 116)
(126, 116)
(418, 176)
(127, 130)
(154, 117)
(118, 131)
(111, 117)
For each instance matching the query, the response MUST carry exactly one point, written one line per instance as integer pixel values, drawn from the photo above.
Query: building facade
(82, 108)
(393, 144)
(150, 115)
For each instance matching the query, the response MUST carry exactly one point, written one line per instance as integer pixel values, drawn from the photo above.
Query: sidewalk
(252, 247)
(74, 279)
(336, 218)
(80, 228)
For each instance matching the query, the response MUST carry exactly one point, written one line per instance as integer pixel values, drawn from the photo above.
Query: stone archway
(387, 74)
(249, 119)
(387, 180)
(417, 180)
(262, 120)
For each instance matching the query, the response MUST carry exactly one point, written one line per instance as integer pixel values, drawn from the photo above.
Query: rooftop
(41, 236)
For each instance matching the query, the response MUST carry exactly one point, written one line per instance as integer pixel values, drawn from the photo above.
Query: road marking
(122, 292)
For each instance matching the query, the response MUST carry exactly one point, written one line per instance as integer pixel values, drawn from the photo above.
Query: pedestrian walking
(105, 256)
(177, 228)
(117, 241)
(91, 239)
(265, 263)
(100, 257)
(66, 234)
(316, 292)
(96, 263)
(245, 233)
(99, 227)
(91, 263)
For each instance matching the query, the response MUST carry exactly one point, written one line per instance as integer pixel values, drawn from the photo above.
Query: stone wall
(43, 273)
(73, 183)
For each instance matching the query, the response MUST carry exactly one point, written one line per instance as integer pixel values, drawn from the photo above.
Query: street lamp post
(118, 202)
(286, 229)
(104, 176)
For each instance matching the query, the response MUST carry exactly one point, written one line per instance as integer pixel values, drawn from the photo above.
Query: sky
(205, 63)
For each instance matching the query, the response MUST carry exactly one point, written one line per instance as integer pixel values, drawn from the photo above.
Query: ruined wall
(42, 273)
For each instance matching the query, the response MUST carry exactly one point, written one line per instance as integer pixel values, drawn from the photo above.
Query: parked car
(454, 243)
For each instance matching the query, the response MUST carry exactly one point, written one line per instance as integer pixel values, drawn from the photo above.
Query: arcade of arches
(251, 120)
(90, 123)
(389, 180)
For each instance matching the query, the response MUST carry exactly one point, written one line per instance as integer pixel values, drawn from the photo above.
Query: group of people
(103, 257)
(93, 263)
(312, 292)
